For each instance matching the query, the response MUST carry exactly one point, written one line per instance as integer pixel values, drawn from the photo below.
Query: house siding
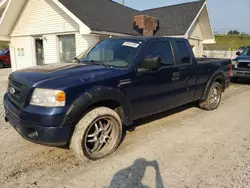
(27, 59)
(196, 31)
(50, 45)
(196, 38)
(198, 47)
(43, 17)
(84, 42)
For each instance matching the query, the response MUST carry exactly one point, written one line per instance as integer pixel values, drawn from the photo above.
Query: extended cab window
(162, 49)
(184, 53)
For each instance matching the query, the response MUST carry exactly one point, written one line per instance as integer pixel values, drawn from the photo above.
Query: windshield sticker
(131, 44)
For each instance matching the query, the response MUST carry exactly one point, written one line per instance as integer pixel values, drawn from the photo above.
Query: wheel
(97, 135)
(1, 64)
(213, 99)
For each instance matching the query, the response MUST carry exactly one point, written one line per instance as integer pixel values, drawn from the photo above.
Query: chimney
(146, 25)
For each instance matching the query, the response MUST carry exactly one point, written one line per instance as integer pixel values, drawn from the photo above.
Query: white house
(48, 31)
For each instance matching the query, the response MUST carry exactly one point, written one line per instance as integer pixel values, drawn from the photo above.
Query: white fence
(220, 53)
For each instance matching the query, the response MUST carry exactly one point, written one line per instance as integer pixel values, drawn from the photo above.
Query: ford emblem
(12, 90)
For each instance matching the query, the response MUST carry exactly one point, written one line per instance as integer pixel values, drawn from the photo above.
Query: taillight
(230, 74)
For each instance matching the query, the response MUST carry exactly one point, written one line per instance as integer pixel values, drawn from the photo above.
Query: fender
(93, 96)
(218, 75)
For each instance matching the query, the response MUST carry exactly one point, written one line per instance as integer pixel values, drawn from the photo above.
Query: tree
(233, 32)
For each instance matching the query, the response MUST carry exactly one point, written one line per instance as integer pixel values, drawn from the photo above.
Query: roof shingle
(106, 15)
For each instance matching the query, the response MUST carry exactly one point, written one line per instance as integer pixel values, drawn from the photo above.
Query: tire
(1, 64)
(93, 130)
(213, 99)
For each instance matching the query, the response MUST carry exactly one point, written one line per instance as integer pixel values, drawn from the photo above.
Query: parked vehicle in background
(5, 58)
(87, 104)
(241, 65)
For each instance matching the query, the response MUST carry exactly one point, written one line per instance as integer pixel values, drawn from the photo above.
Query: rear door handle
(176, 76)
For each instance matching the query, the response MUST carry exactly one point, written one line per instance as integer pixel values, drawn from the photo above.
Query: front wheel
(213, 99)
(97, 135)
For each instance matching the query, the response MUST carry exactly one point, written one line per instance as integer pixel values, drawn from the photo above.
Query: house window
(67, 48)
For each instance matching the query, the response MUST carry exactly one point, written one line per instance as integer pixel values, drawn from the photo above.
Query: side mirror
(150, 64)
(238, 53)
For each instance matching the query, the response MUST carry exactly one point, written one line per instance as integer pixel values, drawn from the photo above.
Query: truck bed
(211, 60)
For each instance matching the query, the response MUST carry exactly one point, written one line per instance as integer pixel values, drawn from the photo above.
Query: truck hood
(241, 57)
(38, 74)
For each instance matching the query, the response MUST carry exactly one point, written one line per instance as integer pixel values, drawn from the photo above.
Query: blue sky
(225, 14)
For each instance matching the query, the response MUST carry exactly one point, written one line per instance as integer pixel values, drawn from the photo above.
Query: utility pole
(122, 2)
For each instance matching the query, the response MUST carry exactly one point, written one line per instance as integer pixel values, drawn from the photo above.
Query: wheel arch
(216, 77)
(96, 97)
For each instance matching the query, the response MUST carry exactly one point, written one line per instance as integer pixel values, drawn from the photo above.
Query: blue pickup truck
(86, 104)
(241, 65)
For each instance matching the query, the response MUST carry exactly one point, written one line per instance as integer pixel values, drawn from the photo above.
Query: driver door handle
(175, 76)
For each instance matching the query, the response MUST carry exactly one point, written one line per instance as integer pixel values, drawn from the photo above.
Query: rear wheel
(213, 99)
(97, 135)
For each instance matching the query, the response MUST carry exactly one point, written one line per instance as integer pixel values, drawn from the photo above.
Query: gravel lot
(186, 147)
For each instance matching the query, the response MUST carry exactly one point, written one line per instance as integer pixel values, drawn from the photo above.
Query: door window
(183, 52)
(162, 49)
(39, 51)
(67, 46)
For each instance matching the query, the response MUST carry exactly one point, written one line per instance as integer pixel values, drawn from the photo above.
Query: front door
(154, 91)
(39, 51)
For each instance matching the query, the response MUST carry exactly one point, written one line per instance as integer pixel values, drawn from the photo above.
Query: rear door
(187, 67)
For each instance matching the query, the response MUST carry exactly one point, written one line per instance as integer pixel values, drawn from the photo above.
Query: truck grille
(244, 65)
(18, 94)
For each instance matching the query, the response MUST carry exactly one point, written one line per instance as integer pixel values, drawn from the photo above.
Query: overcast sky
(225, 14)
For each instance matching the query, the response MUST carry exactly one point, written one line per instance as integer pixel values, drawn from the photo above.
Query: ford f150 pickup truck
(86, 104)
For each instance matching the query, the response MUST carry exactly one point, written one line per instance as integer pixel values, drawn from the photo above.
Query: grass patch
(227, 42)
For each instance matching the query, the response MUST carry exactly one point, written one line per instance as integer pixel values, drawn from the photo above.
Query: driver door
(154, 91)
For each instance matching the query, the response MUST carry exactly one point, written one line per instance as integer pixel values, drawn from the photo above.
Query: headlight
(234, 62)
(236, 65)
(48, 98)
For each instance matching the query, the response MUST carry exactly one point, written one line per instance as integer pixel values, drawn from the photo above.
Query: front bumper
(241, 74)
(37, 132)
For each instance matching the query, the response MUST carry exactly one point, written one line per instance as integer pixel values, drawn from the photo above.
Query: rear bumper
(46, 135)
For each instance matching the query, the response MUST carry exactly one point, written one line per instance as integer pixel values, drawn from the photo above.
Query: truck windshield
(112, 52)
(246, 52)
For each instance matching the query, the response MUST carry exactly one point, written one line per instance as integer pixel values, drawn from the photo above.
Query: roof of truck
(145, 38)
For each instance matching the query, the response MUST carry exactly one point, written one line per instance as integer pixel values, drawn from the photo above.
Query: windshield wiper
(96, 63)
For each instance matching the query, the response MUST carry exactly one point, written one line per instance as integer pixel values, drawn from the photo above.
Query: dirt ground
(186, 147)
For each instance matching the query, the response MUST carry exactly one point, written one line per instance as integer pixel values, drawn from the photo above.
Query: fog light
(32, 133)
